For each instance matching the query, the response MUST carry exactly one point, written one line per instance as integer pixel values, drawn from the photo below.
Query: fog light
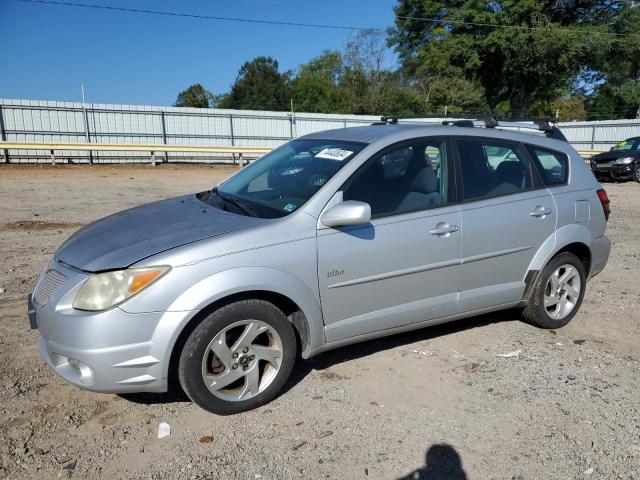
(75, 363)
(79, 371)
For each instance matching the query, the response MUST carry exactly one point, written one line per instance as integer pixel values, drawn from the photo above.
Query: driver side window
(404, 179)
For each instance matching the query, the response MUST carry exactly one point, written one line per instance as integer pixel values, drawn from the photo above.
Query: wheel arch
(574, 238)
(282, 289)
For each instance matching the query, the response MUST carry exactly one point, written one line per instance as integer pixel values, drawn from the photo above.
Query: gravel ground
(436, 403)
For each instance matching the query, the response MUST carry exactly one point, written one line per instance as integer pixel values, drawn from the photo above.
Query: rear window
(553, 166)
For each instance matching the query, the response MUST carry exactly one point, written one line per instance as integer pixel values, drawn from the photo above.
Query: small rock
(206, 439)
(299, 445)
(515, 353)
(2, 290)
(588, 471)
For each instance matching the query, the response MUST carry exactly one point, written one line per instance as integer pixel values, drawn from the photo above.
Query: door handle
(444, 230)
(540, 212)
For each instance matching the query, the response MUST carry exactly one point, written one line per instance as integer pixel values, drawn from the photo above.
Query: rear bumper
(600, 250)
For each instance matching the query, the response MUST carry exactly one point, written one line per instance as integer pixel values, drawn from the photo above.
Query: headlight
(106, 290)
(624, 160)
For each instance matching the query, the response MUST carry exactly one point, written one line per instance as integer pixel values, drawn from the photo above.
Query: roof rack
(545, 124)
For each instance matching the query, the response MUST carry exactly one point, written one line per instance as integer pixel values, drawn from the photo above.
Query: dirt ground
(436, 403)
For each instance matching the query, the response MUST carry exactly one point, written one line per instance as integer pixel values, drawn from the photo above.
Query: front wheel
(557, 293)
(636, 174)
(238, 358)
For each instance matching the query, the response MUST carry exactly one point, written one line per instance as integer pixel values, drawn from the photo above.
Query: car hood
(613, 155)
(127, 237)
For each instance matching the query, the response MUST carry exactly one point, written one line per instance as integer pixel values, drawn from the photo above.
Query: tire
(238, 358)
(636, 174)
(550, 287)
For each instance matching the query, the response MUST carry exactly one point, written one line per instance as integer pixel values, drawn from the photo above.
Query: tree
(614, 67)
(532, 58)
(355, 81)
(258, 86)
(569, 108)
(196, 96)
(316, 86)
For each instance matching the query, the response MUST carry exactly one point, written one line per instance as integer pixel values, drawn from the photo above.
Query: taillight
(604, 200)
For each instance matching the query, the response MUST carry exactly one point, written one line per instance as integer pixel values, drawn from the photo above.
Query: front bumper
(122, 369)
(112, 351)
(614, 172)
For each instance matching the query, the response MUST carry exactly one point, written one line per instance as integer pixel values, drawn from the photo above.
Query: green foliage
(616, 68)
(259, 86)
(196, 96)
(535, 57)
(316, 86)
(569, 108)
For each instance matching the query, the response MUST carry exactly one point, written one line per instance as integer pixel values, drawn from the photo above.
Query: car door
(402, 267)
(506, 214)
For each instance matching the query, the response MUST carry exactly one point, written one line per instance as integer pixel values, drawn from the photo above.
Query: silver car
(334, 238)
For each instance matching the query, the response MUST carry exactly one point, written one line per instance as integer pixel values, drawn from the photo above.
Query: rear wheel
(238, 358)
(558, 292)
(636, 174)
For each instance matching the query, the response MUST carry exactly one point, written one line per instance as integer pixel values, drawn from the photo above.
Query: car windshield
(283, 180)
(629, 144)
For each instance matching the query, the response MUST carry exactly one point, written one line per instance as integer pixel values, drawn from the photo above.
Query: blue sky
(47, 51)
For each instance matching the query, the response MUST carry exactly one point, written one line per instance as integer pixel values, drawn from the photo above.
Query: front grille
(47, 286)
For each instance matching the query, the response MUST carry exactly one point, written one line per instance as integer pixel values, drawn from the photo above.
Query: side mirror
(350, 212)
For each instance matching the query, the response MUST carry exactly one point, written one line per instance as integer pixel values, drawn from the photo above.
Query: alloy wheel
(242, 360)
(562, 291)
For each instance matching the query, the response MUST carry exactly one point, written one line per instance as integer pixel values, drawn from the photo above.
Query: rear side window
(553, 166)
(491, 169)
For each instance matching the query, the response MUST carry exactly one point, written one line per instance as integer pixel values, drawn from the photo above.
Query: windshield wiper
(229, 199)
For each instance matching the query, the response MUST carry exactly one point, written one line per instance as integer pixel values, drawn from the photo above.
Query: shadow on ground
(359, 350)
(345, 354)
(441, 462)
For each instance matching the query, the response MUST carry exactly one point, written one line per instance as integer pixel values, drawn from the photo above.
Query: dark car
(622, 162)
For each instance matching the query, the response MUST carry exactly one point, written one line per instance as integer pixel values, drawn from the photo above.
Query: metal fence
(25, 120)
(599, 135)
(33, 121)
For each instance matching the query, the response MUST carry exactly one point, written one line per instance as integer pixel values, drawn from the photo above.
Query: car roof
(365, 134)
(396, 132)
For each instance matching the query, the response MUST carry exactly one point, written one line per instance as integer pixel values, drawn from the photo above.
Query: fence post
(344, 123)
(164, 136)
(3, 136)
(53, 158)
(153, 159)
(291, 125)
(86, 132)
(233, 137)
(593, 136)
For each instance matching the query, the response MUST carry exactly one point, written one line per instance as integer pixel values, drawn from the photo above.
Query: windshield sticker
(290, 207)
(334, 154)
